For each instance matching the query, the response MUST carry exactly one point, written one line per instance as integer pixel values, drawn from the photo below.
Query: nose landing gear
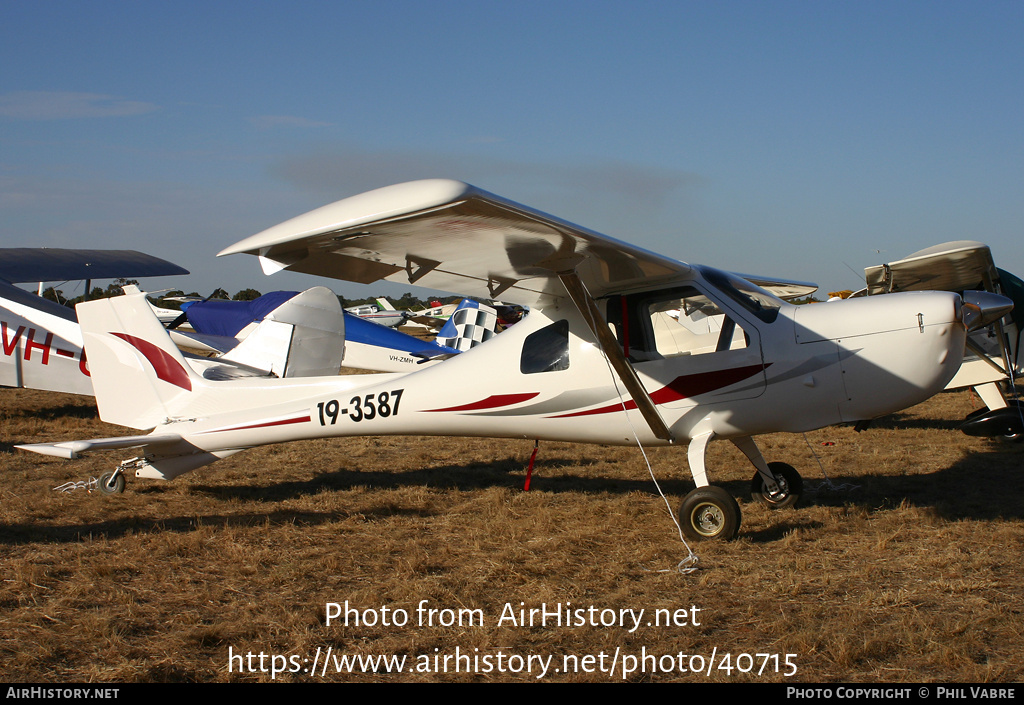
(790, 487)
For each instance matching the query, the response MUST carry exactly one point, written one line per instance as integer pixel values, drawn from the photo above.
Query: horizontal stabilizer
(204, 343)
(73, 449)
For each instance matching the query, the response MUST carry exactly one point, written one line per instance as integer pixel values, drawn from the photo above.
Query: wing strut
(588, 307)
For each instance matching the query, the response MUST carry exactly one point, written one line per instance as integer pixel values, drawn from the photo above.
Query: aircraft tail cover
(471, 324)
(138, 374)
(302, 337)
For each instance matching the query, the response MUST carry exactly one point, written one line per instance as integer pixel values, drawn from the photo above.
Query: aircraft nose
(894, 350)
(902, 365)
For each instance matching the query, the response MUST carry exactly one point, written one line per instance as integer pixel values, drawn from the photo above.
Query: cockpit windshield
(751, 297)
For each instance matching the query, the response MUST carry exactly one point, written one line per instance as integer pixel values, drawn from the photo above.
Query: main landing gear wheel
(110, 484)
(709, 513)
(791, 486)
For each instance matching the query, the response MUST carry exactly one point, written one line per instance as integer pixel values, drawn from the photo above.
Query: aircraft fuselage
(733, 370)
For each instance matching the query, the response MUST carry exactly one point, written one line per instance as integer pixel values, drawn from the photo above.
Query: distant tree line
(404, 302)
(113, 289)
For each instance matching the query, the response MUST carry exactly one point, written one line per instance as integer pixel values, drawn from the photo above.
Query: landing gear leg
(695, 454)
(707, 512)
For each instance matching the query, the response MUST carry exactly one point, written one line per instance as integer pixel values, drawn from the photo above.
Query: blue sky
(797, 139)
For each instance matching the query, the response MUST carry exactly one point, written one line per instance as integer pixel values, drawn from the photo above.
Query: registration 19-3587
(362, 408)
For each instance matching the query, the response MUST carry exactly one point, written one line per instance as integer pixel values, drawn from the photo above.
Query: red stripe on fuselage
(265, 424)
(491, 402)
(683, 387)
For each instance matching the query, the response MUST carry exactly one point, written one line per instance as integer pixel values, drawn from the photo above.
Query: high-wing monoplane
(602, 357)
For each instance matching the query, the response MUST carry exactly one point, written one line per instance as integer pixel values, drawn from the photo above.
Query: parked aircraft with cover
(992, 361)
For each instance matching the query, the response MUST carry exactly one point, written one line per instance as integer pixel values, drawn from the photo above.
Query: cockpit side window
(692, 325)
(546, 350)
(671, 323)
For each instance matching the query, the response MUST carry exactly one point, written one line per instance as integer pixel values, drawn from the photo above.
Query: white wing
(455, 237)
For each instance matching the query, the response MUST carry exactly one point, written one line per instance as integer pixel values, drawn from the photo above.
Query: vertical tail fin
(140, 378)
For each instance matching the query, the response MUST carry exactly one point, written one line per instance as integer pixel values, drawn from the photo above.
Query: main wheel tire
(791, 486)
(709, 513)
(111, 485)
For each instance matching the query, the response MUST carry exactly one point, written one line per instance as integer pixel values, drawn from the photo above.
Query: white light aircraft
(430, 319)
(597, 360)
(382, 313)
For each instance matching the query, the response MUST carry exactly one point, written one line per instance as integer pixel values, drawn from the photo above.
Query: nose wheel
(790, 484)
(709, 513)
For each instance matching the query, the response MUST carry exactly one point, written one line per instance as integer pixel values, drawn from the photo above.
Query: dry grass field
(906, 568)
